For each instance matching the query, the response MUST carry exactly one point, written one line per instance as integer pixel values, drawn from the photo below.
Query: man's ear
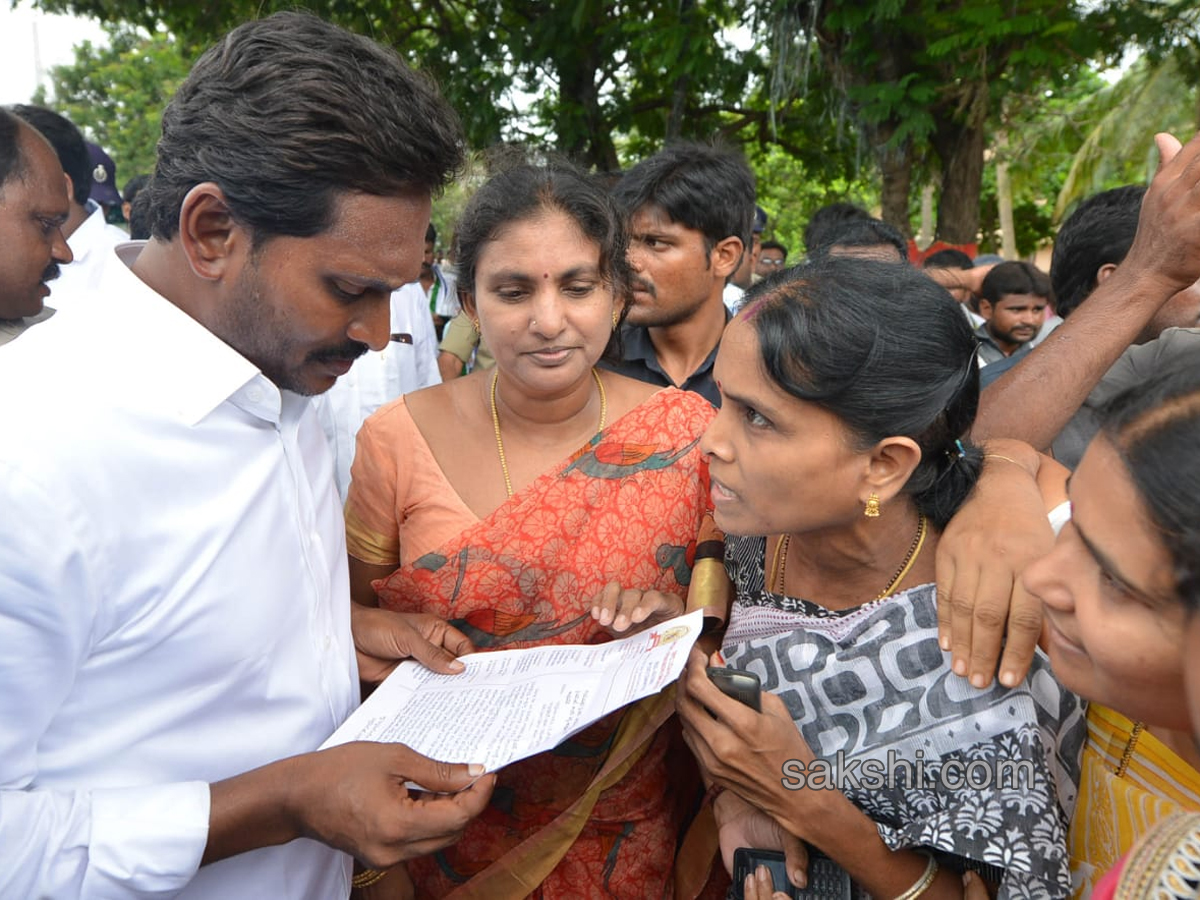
(210, 237)
(726, 256)
(70, 187)
(891, 464)
(985, 308)
(1103, 272)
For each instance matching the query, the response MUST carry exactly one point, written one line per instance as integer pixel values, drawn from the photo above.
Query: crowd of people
(946, 514)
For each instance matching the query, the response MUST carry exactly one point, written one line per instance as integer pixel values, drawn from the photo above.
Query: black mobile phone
(826, 879)
(739, 685)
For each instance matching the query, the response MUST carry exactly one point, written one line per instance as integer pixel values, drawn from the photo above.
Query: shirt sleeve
(372, 520)
(459, 338)
(447, 303)
(134, 842)
(425, 352)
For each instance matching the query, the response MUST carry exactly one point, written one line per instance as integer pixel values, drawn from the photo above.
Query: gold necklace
(1138, 728)
(779, 561)
(496, 423)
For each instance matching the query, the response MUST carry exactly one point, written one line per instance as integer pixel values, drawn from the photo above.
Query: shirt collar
(87, 236)
(636, 345)
(185, 365)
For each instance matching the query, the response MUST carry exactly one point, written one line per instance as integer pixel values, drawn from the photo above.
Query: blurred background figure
(139, 227)
(956, 259)
(88, 235)
(772, 256)
(104, 183)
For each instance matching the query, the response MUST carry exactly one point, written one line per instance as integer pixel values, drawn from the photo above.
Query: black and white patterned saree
(982, 778)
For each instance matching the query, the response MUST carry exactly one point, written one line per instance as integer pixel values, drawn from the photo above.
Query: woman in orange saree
(514, 548)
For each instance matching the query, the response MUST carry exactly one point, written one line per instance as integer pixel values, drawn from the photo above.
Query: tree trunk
(679, 92)
(925, 238)
(1004, 199)
(958, 140)
(895, 166)
(583, 132)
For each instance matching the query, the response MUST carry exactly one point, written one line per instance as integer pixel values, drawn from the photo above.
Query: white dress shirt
(445, 302)
(91, 244)
(174, 604)
(409, 363)
(732, 295)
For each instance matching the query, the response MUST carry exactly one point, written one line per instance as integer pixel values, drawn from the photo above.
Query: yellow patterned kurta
(1112, 813)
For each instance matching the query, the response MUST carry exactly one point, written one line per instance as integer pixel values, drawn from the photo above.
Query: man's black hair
(67, 142)
(774, 245)
(288, 113)
(830, 217)
(133, 187)
(12, 160)
(948, 258)
(857, 232)
(1099, 232)
(708, 189)
(1015, 277)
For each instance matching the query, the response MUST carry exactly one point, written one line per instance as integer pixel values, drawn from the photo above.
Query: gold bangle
(1005, 458)
(924, 882)
(368, 877)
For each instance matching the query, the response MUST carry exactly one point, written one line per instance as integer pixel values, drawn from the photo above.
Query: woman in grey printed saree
(848, 389)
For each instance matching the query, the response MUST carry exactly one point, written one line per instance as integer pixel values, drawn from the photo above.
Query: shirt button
(328, 641)
(254, 395)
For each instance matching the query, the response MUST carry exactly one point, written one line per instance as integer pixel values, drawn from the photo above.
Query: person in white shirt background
(437, 286)
(408, 363)
(176, 633)
(88, 235)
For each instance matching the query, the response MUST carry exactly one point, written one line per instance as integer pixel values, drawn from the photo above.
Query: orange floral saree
(601, 814)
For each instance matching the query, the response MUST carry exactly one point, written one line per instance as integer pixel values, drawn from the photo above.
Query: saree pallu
(983, 778)
(600, 815)
(1115, 810)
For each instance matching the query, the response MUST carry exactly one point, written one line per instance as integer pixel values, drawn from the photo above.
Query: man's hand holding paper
(510, 704)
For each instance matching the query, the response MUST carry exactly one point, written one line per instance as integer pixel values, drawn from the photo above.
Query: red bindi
(545, 274)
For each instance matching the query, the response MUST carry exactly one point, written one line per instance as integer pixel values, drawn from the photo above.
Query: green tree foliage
(829, 95)
(569, 74)
(116, 93)
(790, 194)
(601, 81)
(1119, 147)
(1045, 127)
(921, 78)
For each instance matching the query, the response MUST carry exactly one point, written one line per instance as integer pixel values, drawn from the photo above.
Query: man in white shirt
(33, 207)
(408, 363)
(439, 288)
(176, 633)
(88, 235)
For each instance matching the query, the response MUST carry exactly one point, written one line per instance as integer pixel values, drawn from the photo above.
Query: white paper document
(510, 704)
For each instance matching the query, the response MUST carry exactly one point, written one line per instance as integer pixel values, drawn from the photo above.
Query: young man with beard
(176, 632)
(33, 208)
(1013, 303)
(691, 208)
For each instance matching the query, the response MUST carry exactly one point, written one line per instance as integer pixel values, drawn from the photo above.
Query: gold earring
(475, 325)
(872, 510)
(616, 318)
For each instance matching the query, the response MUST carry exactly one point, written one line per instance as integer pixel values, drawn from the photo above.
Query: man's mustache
(348, 352)
(641, 284)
